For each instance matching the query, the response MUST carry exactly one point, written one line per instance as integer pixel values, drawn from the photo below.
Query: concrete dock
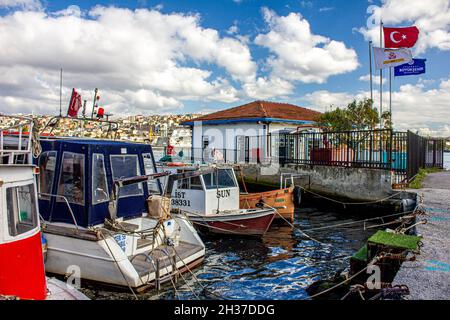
(428, 278)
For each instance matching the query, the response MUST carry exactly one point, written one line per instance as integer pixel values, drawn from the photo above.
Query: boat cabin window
(99, 183)
(71, 181)
(222, 178)
(21, 209)
(148, 165)
(47, 167)
(193, 183)
(126, 166)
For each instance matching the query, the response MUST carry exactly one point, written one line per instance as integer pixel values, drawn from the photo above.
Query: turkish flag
(75, 104)
(400, 37)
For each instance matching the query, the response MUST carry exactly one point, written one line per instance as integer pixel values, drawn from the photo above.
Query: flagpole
(390, 94)
(381, 76)
(60, 93)
(370, 71)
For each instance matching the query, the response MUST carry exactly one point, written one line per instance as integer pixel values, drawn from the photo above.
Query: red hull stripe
(254, 226)
(22, 271)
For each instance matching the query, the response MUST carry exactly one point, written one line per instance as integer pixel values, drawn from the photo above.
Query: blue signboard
(416, 66)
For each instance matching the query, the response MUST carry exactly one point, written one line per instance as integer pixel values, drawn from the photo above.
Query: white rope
(293, 226)
(358, 221)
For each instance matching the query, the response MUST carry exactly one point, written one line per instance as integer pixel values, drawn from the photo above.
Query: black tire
(297, 196)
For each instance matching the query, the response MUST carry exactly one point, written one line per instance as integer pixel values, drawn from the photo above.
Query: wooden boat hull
(253, 222)
(281, 199)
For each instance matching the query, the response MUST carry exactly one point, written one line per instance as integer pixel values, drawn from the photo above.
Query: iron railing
(403, 153)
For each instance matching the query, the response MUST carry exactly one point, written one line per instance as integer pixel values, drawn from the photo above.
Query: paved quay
(428, 278)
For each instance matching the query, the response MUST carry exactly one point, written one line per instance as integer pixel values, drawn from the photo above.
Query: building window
(71, 181)
(222, 178)
(126, 166)
(47, 166)
(21, 209)
(99, 183)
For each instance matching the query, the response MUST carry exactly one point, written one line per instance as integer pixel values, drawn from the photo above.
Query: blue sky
(249, 49)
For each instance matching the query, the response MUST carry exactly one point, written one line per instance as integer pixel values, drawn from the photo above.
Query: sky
(178, 56)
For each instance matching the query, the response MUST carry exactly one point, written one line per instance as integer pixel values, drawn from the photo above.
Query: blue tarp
(90, 214)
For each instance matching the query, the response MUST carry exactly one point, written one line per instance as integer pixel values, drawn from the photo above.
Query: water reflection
(281, 265)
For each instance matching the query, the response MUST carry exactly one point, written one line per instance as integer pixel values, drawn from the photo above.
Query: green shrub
(416, 183)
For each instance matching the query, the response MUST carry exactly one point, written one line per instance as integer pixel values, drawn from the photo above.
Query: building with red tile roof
(245, 129)
(264, 111)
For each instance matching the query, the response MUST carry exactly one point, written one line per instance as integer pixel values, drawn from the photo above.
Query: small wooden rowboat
(250, 222)
(281, 199)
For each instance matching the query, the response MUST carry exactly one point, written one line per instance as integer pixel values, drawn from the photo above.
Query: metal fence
(424, 153)
(403, 153)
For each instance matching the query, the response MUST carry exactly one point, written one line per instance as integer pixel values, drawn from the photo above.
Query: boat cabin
(76, 179)
(22, 269)
(206, 194)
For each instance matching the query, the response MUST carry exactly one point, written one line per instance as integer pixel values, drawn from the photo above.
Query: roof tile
(263, 109)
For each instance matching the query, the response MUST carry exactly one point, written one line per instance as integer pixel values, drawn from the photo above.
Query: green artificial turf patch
(395, 240)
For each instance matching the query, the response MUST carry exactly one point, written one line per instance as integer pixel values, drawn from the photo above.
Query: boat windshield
(222, 178)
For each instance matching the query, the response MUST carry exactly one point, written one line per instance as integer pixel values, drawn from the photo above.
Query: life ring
(175, 164)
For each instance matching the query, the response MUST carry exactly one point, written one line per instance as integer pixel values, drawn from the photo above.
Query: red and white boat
(22, 273)
(211, 202)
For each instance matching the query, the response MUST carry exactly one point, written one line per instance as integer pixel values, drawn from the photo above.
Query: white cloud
(375, 79)
(121, 51)
(413, 106)
(25, 4)
(264, 88)
(306, 4)
(234, 29)
(325, 9)
(300, 55)
(431, 17)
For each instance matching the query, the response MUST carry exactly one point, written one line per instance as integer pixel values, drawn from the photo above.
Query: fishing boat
(283, 199)
(95, 200)
(22, 274)
(211, 202)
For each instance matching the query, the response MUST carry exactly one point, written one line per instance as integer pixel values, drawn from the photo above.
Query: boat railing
(287, 176)
(15, 139)
(67, 203)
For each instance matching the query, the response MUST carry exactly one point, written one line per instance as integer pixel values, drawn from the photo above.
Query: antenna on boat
(60, 93)
(84, 108)
(93, 103)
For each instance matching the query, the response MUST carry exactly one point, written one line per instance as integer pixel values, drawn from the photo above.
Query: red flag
(400, 37)
(75, 104)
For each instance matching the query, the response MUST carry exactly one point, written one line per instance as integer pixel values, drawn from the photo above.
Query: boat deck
(183, 250)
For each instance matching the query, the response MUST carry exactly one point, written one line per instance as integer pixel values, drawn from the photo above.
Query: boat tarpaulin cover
(83, 181)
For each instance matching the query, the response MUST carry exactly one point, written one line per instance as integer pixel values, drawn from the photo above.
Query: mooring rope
(352, 203)
(118, 266)
(374, 260)
(357, 221)
(195, 277)
(293, 226)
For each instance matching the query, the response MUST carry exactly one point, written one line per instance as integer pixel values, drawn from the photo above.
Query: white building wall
(230, 138)
(223, 136)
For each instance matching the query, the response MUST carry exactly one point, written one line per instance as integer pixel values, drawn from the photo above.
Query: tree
(356, 116)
